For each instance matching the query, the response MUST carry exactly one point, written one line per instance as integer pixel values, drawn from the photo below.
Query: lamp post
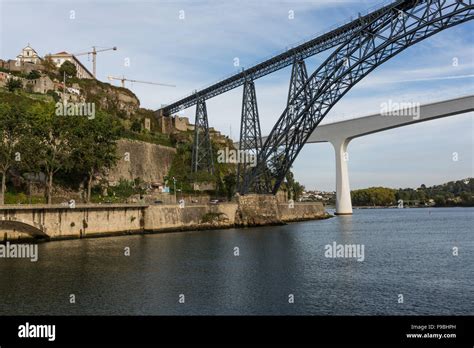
(174, 188)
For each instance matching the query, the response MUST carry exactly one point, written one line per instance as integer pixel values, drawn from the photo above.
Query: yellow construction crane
(94, 55)
(123, 79)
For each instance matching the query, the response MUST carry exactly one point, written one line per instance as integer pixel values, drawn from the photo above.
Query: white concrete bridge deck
(339, 134)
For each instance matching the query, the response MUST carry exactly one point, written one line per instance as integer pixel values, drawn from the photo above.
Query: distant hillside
(453, 193)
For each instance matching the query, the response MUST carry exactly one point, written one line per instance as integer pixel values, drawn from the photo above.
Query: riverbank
(47, 223)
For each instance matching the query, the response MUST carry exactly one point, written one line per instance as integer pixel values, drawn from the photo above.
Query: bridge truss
(360, 46)
(374, 43)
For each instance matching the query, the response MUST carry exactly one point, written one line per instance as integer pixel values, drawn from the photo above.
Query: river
(275, 270)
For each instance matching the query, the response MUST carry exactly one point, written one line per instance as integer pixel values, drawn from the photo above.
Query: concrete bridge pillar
(343, 191)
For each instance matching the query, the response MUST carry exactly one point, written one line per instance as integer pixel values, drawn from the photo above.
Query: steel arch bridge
(361, 46)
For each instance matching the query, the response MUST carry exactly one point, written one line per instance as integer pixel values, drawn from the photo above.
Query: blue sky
(200, 49)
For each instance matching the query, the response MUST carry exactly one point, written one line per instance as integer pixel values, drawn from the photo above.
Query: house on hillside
(25, 62)
(60, 57)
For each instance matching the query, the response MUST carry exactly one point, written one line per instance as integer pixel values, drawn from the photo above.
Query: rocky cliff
(115, 100)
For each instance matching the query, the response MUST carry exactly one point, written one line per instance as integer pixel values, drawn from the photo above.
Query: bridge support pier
(202, 147)
(250, 137)
(343, 191)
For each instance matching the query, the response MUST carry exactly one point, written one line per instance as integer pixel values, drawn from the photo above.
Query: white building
(28, 55)
(82, 72)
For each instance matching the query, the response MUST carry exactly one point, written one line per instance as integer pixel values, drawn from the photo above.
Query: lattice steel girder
(250, 134)
(375, 42)
(299, 76)
(310, 48)
(202, 158)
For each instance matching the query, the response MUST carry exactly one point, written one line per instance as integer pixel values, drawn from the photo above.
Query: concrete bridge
(339, 134)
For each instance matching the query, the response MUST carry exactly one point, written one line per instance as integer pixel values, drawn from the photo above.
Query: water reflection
(405, 250)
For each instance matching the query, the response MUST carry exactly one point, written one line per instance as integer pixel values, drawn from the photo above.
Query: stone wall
(24, 67)
(173, 124)
(138, 159)
(302, 211)
(59, 222)
(167, 217)
(256, 210)
(181, 123)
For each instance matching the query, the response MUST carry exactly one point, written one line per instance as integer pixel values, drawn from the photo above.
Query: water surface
(407, 251)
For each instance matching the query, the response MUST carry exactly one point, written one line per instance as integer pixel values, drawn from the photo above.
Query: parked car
(158, 202)
(214, 201)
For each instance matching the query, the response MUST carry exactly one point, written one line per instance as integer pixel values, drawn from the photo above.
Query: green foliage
(54, 95)
(105, 96)
(13, 84)
(136, 125)
(230, 183)
(72, 145)
(154, 138)
(22, 198)
(118, 193)
(181, 170)
(68, 68)
(124, 189)
(19, 74)
(13, 128)
(295, 189)
(94, 145)
(374, 196)
(33, 75)
(453, 193)
(48, 65)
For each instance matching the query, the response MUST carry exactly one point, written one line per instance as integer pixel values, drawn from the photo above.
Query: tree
(377, 196)
(33, 75)
(95, 146)
(14, 84)
(48, 65)
(440, 200)
(421, 196)
(466, 198)
(68, 68)
(230, 182)
(136, 126)
(12, 131)
(52, 135)
(295, 189)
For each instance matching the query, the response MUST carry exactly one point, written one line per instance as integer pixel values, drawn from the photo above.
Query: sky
(192, 44)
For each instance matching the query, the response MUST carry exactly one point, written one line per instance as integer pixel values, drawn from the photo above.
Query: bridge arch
(374, 43)
(31, 228)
